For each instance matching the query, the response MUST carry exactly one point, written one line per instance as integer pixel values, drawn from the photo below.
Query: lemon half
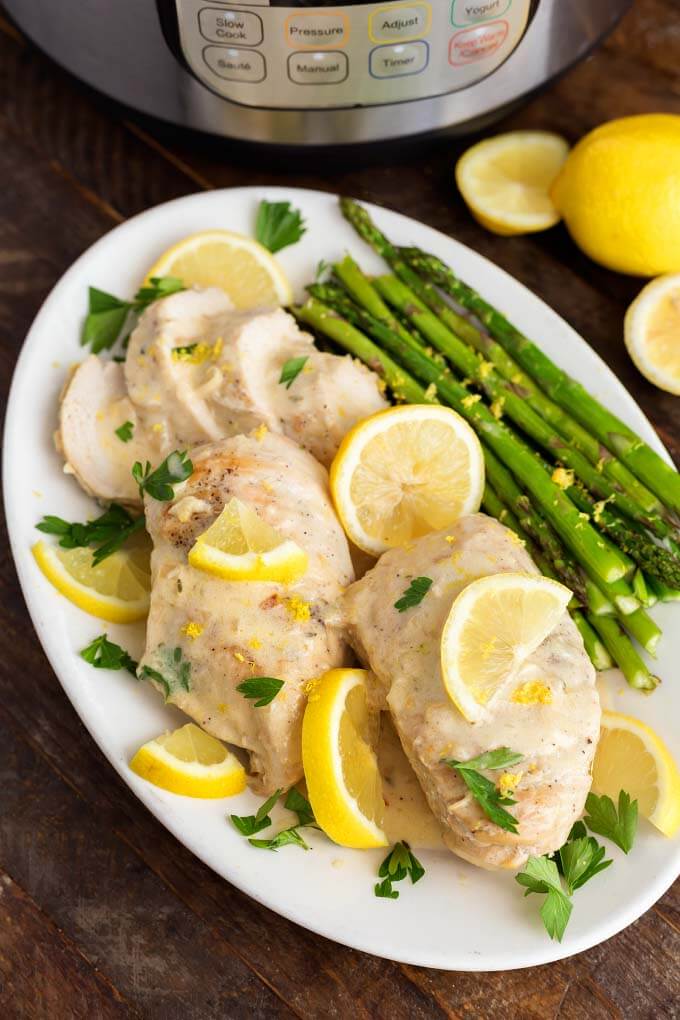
(191, 762)
(652, 332)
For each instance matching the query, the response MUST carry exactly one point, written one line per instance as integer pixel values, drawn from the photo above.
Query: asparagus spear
(597, 652)
(576, 532)
(642, 460)
(623, 653)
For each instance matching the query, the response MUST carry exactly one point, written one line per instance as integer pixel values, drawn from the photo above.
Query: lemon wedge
(494, 624)
(652, 332)
(242, 267)
(191, 762)
(506, 180)
(240, 546)
(117, 589)
(340, 764)
(405, 472)
(630, 756)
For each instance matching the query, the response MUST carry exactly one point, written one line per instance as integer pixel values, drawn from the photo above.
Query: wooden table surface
(102, 913)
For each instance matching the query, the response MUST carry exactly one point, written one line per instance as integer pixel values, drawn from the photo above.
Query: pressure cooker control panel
(359, 54)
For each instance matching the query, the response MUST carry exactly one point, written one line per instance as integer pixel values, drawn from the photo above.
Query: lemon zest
(192, 629)
(532, 692)
(564, 477)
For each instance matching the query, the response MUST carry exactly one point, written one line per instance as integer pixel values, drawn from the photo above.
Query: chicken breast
(205, 635)
(549, 712)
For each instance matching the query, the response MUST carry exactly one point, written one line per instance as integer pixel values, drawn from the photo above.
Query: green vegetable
(104, 654)
(278, 225)
(124, 431)
(580, 860)
(159, 484)
(107, 533)
(619, 826)
(399, 863)
(260, 689)
(176, 675)
(414, 594)
(485, 792)
(283, 838)
(300, 805)
(291, 370)
(109, 319)
(540, 875)
(249, 825)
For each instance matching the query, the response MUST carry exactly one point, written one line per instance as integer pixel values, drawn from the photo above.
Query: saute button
(309, 31)
(235, 65)
(397, 22)
(397, 61)
(233, 28)
(319, 68)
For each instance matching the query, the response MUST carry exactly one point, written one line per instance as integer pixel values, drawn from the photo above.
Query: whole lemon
(619, 194)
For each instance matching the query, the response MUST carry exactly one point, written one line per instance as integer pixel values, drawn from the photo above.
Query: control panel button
(477, 43)
(472, 12)
(235, 65)
(398, 61)
(317, 30)
(318, 68)
(399, 22)
(233, 28)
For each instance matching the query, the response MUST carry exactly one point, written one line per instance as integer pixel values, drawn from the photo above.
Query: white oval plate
(458, 917)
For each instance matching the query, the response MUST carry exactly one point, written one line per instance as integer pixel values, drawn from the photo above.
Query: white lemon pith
(190, 762)
(632, 757)
(494, 625)
(405, 472)
(242, 267)
(116, 590)
(240, 546)
(344, 786)
(652, 332)
(506, 180)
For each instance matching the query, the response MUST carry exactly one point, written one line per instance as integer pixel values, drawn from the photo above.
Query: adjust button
(233, 28)
(235, 65)
(399, 22)
(318, 68)
(317, 31)
(397, 61)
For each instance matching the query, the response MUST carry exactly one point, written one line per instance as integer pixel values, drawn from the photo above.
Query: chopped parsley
(249, 825)
(300, 805)
(414, 594)
(291, 370)
(278, 225)
(260, 689)
(486, 793)
(540, 875)
(110, 319)
(104, 654)
(160, 483)
(176, 671)
(580, 859)
(399, 863)
(619, 826)
(184, 352)
(124, 431)
(106, 533)
(284, 838)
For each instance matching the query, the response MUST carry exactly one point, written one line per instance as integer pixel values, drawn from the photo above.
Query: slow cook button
(397, 61)
(396, 23)
(317, 31)
(235, 65)
(318, 68)
(234, 28)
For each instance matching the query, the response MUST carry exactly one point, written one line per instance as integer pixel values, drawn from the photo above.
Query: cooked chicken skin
(230, 631)
(557, 739)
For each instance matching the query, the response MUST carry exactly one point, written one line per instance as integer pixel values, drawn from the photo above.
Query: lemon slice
(242, 267)
(116, 590)
(240, 546)
(506, 180)
(405, 472)
(652, 332)
(493, 625)
(630, 756)
(191, 762)
(341, 768)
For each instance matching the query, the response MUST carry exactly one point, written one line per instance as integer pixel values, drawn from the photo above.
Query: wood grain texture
(102, 912)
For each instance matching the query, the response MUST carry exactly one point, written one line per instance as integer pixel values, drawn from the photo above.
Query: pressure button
(317, 31)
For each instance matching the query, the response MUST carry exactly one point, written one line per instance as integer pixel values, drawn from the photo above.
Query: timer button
(235, 65)
(231, 28)
(398, 61)
(399, 22)
(318, 68)
(320, 30)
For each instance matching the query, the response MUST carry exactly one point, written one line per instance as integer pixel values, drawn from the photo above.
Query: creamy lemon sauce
(407, 815)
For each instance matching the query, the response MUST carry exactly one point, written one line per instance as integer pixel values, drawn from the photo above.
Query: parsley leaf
(260, 689)
(160, 483)
(300, 805)
(107, 533)
(580, 860)
(104, 654)
(176, 675)
(110, 319)
(399, 863)
(483, 790)
(414, 594)
(278, 225)
(603, 818)
(540, 875)
(291, 370)
(283, 838)
(158, 287)
(124, 431)
(248, 825)
(385, 891)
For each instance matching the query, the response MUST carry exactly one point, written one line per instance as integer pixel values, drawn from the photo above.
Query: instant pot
(318, 73)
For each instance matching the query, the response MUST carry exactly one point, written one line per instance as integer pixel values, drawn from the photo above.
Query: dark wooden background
(102, 913)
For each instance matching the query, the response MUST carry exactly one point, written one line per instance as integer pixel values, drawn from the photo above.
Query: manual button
(233, 28)
(235, 65)
(316, 31)
(318, 68)
(397, 61)
(402, 23)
